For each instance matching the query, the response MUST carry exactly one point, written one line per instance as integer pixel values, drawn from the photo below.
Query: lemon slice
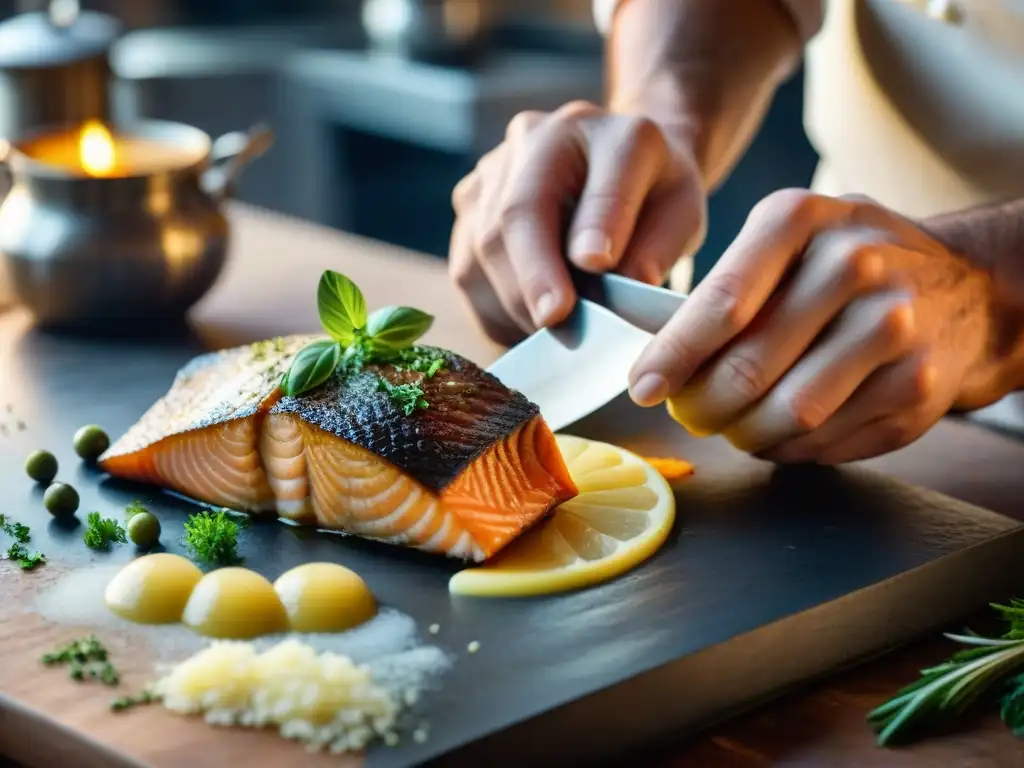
(622, 516)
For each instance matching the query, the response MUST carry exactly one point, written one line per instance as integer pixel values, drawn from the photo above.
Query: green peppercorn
(41, 466)
(144, 529)
(61, 500)
(91, 441)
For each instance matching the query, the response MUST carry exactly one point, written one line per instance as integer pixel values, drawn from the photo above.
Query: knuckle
(806, 411)
(642, 133)
(462, 193)
(523, 122)
(575, 110)
(895, 329)
(745, 375)
(460, 270)
(488, 244)
(859, 266)
(723, 297)
(792, 205)
(924, 376)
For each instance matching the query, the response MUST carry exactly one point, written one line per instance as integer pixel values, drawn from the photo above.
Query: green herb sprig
(947, 690)
(212, 537)
(408, 397)
(86, 657)
(17, 552)
(102, 532)
(146, 696)
(387, 336)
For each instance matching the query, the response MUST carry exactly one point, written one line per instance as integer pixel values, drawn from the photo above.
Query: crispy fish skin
(462, 477)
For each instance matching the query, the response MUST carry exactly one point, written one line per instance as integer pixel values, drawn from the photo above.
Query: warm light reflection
(96, 149)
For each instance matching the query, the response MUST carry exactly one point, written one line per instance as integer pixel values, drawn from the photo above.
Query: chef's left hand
(831, 330)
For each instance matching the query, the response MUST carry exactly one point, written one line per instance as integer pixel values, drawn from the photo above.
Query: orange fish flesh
(462, 477)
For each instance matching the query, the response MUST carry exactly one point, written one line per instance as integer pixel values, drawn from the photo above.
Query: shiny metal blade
(576, 368)
(645, 306)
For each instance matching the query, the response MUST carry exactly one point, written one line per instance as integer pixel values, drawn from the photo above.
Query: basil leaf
(341, 306)
(397, 327)
(312, 366)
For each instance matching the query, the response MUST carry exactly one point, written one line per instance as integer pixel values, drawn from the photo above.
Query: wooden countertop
(822, 726)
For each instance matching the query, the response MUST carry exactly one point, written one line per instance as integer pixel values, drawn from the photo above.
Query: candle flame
(96, 149)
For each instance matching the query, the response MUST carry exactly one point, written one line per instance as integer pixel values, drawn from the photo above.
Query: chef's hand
(830, 331)
(615, 188)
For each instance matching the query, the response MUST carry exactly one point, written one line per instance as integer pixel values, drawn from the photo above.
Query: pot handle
(229, 155)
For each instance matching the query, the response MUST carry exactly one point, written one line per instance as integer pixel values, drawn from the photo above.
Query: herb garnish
(386, 337)
(102, 532)
(85, 657)
(213, 538)
(146, 696)
(408, 397)
(18, 552)
(948, 689)
(133, 509)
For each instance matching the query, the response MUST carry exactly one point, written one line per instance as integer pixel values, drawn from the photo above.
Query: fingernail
(650, 389)
(544, 309)
(592, 249)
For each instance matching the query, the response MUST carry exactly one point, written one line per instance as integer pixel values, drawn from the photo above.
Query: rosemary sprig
(947, 690)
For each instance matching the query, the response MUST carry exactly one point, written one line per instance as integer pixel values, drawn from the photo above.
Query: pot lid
(54, 38)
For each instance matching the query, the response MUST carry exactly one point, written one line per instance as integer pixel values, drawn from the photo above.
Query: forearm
(705, 70)
(992, 237)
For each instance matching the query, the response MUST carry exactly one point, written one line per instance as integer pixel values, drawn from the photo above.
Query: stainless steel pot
(55, 68)
(79, 250)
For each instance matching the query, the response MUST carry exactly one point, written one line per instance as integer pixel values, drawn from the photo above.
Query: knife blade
(582, 364)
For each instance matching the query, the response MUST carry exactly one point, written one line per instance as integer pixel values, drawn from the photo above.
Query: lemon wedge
(622, 515)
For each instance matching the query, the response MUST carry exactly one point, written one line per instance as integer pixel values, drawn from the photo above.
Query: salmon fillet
(463, 477)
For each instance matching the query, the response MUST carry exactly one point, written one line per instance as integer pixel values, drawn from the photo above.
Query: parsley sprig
(387, 336)
(986, 666)
(102, 532)
(212, 537)
(17, 552)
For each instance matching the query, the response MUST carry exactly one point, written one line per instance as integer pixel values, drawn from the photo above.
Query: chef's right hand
(608, 192)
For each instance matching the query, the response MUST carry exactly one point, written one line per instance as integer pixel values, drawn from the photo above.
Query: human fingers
(898, 388)
(728, 299)
(836, 268)
(626, 156)
(872, 332)
(550, 168)
(671, 226)
(476, 289)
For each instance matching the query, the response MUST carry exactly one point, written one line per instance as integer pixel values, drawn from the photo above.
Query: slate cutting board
(771, 578)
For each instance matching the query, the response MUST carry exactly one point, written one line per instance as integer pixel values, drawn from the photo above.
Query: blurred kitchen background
(380, 106)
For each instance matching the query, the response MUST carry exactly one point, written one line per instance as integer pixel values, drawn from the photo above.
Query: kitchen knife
(579, 366)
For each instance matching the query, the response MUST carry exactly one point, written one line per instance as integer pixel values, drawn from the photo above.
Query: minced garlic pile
(323, 700)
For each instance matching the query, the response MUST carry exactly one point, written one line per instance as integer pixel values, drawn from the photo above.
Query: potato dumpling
(153, 589)
(325, 597)
(235, 603)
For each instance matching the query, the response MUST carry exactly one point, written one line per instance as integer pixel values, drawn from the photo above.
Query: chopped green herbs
(261, 349)
(85, 657)
(387, 337)
(948, 689)
(212, 537)
(408, 397)
(127, 702)
(17, 552)
(102, 532)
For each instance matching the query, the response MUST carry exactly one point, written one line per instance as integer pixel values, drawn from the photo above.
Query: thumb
(625, 157)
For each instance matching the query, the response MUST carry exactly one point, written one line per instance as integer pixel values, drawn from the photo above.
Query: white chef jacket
(918, 104)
